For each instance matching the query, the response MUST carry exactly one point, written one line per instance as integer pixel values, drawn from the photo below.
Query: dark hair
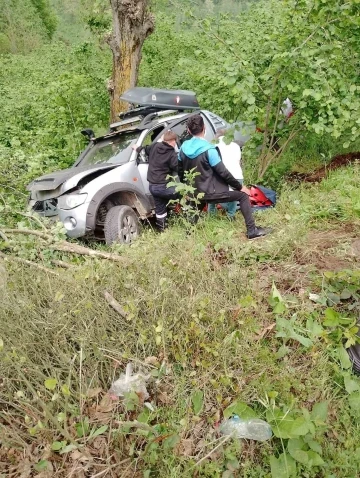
(195, 124)
(170, 136)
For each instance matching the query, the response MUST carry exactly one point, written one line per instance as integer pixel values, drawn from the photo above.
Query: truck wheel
(121, 225)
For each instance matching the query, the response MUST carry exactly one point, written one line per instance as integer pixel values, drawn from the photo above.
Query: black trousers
(245, 206)
(162, 195)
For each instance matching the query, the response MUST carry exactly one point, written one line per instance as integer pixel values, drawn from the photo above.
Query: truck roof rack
(161, 99)
(144, 119)
(142, 111)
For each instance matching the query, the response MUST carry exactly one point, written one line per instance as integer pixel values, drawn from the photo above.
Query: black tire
(121, 225)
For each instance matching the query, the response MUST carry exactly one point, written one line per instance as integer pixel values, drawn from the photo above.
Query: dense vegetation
(221, 325)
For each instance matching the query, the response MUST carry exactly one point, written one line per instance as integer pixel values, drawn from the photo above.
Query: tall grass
(196, 306)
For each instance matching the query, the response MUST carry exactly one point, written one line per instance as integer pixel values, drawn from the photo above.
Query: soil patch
(321, 173)
(318, 250)
(317, 253)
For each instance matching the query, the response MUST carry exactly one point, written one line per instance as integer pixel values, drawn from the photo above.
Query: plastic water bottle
(254, 429)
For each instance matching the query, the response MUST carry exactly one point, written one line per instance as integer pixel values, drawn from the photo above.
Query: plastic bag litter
(130, 383)
(254, 429)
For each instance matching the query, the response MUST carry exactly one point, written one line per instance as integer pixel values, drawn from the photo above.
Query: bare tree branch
(8, 257)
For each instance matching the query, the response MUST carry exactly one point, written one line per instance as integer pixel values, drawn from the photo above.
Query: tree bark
(132, 24)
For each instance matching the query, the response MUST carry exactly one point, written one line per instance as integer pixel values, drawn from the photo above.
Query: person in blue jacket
(214, 179)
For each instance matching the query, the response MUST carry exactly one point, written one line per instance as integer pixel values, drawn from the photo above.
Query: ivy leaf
(283, 350)
(65, 390)
(300, 427)
(332, 318)
(283, 467)
(58, 445)
(314, 327)
(171, 442)
(315, 446)
(300, 456)
(314, 458)
(50, 383)
(67, 449)
(197, 401)
(295, 444)
(343, 357)
(354, 401)
(241, 409)
(351, 385)
(319, 412)
(42, 465)
(283, 428)
(99, 431)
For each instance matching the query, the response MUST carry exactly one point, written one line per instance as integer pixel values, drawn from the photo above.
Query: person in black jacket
(163, 162)
(214, 179)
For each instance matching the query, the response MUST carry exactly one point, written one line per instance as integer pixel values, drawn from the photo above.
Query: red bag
(258, 198)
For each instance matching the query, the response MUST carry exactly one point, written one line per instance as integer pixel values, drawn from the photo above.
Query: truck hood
(54, 184)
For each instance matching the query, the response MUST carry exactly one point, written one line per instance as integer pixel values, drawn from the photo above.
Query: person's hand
(134, 147)
(245, 190)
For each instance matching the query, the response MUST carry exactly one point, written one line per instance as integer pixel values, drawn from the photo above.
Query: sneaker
(258, 232)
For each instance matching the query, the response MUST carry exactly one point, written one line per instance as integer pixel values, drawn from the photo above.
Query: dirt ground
(321, 173)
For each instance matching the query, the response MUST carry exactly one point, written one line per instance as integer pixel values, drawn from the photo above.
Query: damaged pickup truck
(105, 194)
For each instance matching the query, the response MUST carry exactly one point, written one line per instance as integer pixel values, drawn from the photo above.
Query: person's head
(171, 138)
(196, 126)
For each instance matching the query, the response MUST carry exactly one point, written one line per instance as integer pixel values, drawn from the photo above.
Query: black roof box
(169, 99)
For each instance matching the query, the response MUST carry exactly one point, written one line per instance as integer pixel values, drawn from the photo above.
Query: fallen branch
(34, 218)
(115, 305)
(64, 265)
(8, 257)
(4, 237)
(28, 232)
(64, 246)
(84, 251)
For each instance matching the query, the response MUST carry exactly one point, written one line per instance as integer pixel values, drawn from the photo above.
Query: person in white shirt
(231, 157)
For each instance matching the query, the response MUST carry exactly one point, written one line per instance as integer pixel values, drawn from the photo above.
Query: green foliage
(45, 109)
(46, 14)
(198, 303)
(301, 54)
(189, 198)
(25, 25)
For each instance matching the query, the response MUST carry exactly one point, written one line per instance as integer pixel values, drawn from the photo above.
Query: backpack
(262, 198)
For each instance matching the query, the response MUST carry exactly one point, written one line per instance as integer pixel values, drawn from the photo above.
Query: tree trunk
(132, 24)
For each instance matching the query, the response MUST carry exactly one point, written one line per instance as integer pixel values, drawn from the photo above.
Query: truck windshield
(114, 150)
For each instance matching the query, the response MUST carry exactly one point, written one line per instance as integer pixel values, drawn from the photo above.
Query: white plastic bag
(130, 383)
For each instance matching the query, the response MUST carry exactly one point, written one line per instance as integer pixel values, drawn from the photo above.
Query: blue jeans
(230, 207)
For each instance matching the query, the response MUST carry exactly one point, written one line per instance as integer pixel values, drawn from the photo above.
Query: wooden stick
(213, 450)
(115, 305)
(8, 257)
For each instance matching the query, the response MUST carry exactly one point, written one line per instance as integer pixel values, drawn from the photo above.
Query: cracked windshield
(110, 151)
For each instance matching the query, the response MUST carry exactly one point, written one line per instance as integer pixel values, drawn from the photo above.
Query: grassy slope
(199, 304)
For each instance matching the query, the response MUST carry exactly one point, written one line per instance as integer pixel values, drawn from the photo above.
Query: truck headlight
(72, 200)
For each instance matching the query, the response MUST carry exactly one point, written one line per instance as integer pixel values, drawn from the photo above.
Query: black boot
(256, 232)
(161, 223)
